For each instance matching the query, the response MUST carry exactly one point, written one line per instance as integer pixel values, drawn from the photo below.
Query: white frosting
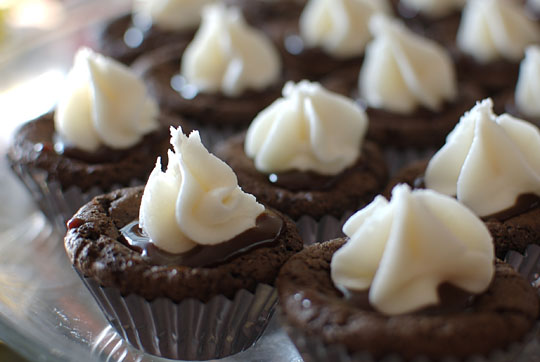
(404, 249)
(340, 27)
(403, 71)
(197, 200)
(103, 103)
(310, 129)
(487, 161)
(171, 14)
(229, 56)
(496, 29)
(435, 8)
(527, 93)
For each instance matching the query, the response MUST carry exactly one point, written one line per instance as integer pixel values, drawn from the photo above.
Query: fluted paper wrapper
(190, 330)
(313, 349)
(396, 158)
(327, 228)
(59, 205)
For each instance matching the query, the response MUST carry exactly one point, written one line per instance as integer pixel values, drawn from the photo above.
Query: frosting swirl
(527, 95)
(229, 56)
(404, 249)
(402, 70)
(340, 27)
(171, 14)
(488, 161)
(196, 201)
(309, 129)
(103, 103)
(495, 29)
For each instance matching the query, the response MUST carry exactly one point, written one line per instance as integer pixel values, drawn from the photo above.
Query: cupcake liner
(327, 228)
(189, 330)
(312, 348)
(58, 205)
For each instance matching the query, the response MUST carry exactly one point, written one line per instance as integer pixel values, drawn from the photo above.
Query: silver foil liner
(59, 205)
(190, 330)
(327, 228)
(313, 349)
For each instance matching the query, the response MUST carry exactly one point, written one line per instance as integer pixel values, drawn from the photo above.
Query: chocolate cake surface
(347, 191)
(513, 233)
(504, 314)
(98, 250)
(33, 147)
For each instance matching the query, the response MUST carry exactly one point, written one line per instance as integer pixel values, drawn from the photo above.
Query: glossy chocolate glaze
(265, 233)
(451, 300)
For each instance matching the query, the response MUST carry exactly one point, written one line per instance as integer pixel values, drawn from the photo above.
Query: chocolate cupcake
(261, 13)
(104, 134)
(409, 88)
(305, 156)
(223, 78)
(329, 35)
(183, 269)
(489, 163)
(151, 24)
(408, 282)
(491, 40)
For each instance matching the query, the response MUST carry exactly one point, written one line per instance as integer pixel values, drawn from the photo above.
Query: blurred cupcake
(435, 19)
(492, 38)
(184, 270)
(524, 101)
(415, 279)
(105, 133)
(261, 13)
(329, 35)
(490, 164)
(226, 75)
(152, 24)
(410, 88)
(306, 156)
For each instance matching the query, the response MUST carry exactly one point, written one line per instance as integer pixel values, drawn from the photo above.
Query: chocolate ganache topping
(265, 233)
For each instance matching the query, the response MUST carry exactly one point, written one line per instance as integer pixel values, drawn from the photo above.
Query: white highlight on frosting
(527, 94)
(197, 200)
(103, 103)
(496, 29)
(403, 71)
(309, 129)
(340, 27)
(435, 8)
(487, 161)
(171, 14)
(229, 56)
(404, 249)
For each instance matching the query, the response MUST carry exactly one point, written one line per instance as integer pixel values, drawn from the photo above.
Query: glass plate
(46, 313)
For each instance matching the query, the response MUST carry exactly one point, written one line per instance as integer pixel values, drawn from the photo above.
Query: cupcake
(492, 38)
(185, 267)
(409, 85)
(226, 75)
(334, 32)
(105, 133)
(306, 156)
(490, 164)
(261, 13)
(415, 279)
(152, 24)
(524, 101)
